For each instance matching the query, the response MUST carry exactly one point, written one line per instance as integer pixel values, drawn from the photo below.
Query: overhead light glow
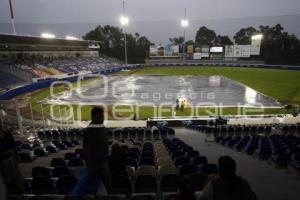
(184, 23)
(69, 37)
(47, 35)
(257, 37)
(124, 21)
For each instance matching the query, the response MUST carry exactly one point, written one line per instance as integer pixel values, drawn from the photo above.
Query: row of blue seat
(113, 133)
(187, 160)
(232, 128)
(280, 149)
(28, 151)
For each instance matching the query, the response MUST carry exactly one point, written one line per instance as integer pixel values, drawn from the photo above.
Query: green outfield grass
(281, 84)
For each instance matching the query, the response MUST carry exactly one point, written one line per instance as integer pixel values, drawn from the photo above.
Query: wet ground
(198, 90)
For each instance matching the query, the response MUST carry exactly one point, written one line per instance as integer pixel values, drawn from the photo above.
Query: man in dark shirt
(95, 147)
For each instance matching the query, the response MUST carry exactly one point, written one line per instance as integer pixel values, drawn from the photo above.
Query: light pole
(124, 21)
(184, 25)
(12, 17)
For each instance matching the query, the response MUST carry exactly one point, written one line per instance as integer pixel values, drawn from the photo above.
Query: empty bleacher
(278, 144)
(76, 65)
(15, 73)
(155, 162)
(8, 80)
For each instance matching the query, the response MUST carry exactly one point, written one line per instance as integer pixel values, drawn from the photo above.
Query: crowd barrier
(47, 83)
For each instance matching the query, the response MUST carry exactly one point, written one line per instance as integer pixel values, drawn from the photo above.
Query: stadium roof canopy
(29, 43)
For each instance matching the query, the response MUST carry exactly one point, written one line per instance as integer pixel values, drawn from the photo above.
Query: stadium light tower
(184, 25)
(48, 35)
(12, 16)
(124, 21)
(257, 37)
(69, 37)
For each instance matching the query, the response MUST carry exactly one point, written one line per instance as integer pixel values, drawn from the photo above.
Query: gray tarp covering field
(203, 90)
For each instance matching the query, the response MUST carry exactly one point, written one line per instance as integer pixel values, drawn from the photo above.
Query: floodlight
(69, 37)
(47, 35)
(257, 37)
(184, 23)
(124, 21)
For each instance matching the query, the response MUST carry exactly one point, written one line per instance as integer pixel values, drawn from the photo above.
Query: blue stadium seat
(58, 162)
(40, 172)
(75, 162)
(120, 185)
(60, 171)
(52, 149)
(147, 161)
(169, 183)
(145, 184)
(42, 185)
(69, 155)
(187, 169)
(181, 160)
(65, 184)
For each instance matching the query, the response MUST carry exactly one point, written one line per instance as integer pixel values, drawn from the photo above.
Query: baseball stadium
(112, 114)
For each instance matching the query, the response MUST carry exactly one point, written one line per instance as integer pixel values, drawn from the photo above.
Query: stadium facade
(31, 47)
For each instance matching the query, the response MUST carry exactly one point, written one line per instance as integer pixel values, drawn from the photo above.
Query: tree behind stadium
(112, 43)
(277, 47)
(205, 36)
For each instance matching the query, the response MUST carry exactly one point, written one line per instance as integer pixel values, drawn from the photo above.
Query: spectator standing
(95, 147)
(9, 168)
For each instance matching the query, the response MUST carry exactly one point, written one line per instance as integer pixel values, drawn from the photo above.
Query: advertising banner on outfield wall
(197, 49)
(171, 50)
(190, 49)
(157, 51)
(205, 49)
(237, 51)
(216, 56)
(216, 50)
(204, 55)
(197, 56)
(166, 51)
(153, 50)
(255, 50)
(241, 51)
(229, 51)
(246, 51)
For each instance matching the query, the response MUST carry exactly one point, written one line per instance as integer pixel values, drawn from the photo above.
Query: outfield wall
(221, 64)
(47, 83)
